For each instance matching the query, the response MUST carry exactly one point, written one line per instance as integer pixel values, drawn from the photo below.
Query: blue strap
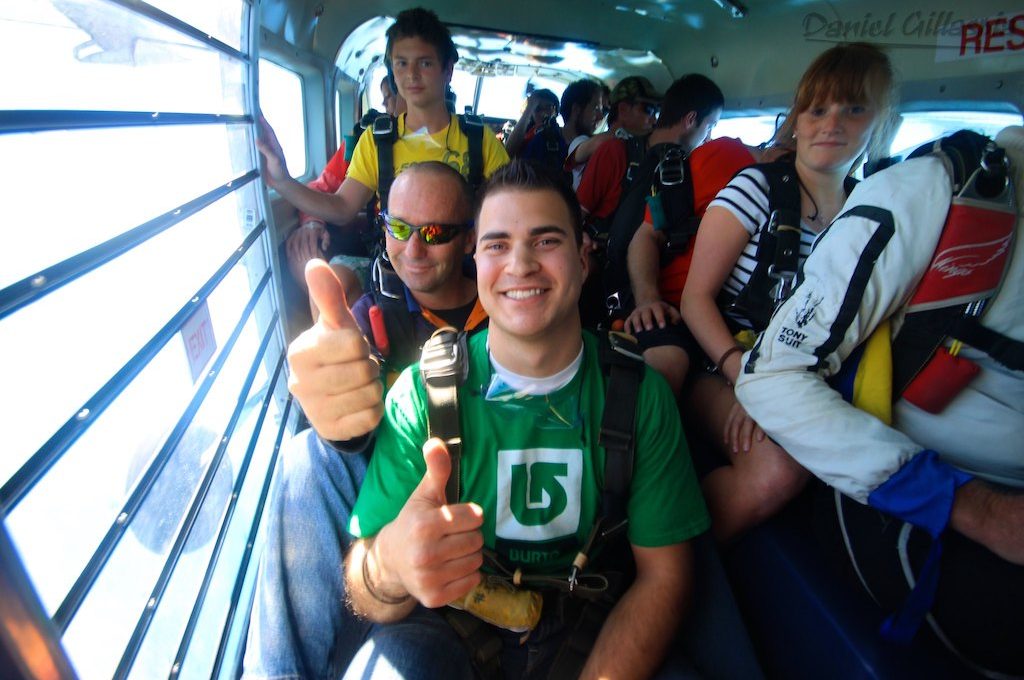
(920, 493)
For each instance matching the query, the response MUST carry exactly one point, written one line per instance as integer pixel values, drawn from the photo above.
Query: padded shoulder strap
(636, 152)
(389, 296)
(473, 127)
(783, 185)
(623, 364)
(385, 134)
(444, 366)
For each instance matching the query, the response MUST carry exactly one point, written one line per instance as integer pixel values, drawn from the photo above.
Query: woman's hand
(740, 430)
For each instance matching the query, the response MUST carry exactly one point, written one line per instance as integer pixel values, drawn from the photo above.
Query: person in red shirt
(634, 110)
(691, 107)
(655, 319)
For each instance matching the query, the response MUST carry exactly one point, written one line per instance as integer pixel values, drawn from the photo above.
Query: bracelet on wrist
(381, 597)
(725, 356)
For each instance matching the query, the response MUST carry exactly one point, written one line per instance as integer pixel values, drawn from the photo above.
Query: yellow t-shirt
(449, 146)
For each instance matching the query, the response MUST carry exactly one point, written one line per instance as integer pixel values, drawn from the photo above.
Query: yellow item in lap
(501, 604)
(872, 386)
(746, 338)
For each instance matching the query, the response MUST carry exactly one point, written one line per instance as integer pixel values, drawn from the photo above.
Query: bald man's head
(458, 199)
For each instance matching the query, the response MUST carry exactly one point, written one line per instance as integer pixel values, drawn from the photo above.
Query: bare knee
(671, 362)
(770, 476)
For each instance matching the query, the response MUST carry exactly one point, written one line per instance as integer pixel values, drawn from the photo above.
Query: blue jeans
(424, 647)
(421, 646)
(300, 626)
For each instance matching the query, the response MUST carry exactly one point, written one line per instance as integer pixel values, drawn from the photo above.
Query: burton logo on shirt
(538, 493)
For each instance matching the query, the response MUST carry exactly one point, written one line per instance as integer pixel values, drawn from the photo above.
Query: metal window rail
(42, 283)
(73, 600)
(236, 593)
(193, 620)
(177, 24)
(47, 120)
(138, 634)
(15, 489)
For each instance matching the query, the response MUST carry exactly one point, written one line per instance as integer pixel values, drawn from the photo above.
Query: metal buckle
(383, 125)
(378, 276)
(445, 363)
(672, 169)
(623, 343)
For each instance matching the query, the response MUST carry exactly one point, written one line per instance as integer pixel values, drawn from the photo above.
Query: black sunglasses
(650, 108)
(433, 234)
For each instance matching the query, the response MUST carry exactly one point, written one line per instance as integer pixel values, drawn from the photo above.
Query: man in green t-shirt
(531, 468)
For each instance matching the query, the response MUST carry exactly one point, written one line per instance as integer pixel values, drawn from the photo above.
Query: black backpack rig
(778, 250)
(385, 134)
(662, 178)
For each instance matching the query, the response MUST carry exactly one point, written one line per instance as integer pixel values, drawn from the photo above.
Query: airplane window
(502, 97)
(103, 57)
(464, 86)
(376, 101)
(751, 130)
(282, 105)
(920, 127)
(138, 311)
(221, 19)
(99, 159)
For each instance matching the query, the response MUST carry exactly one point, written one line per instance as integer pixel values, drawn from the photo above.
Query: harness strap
(575, 650)
(444, 366)
(385, 134)
(636, 150)
(620, 353)
(1004, 349)
(755, 300)
(680, 211)
(389, 297)
(480, 639)
(587, 622)
(473, 127)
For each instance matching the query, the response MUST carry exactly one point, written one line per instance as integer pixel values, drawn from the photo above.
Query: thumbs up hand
(433, 550)
(332, 373)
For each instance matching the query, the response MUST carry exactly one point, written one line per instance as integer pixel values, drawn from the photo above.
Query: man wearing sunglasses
(693, 100)
(300, 626)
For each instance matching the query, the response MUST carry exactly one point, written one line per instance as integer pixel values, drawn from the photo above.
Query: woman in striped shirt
(840, 107)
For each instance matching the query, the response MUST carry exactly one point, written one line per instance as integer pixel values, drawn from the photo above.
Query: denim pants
(300, 626)
(424, 647)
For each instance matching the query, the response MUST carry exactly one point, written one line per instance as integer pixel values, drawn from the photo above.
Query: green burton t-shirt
(534, 466)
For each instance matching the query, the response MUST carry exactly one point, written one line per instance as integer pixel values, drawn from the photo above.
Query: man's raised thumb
(439, 467)
(328, 295)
